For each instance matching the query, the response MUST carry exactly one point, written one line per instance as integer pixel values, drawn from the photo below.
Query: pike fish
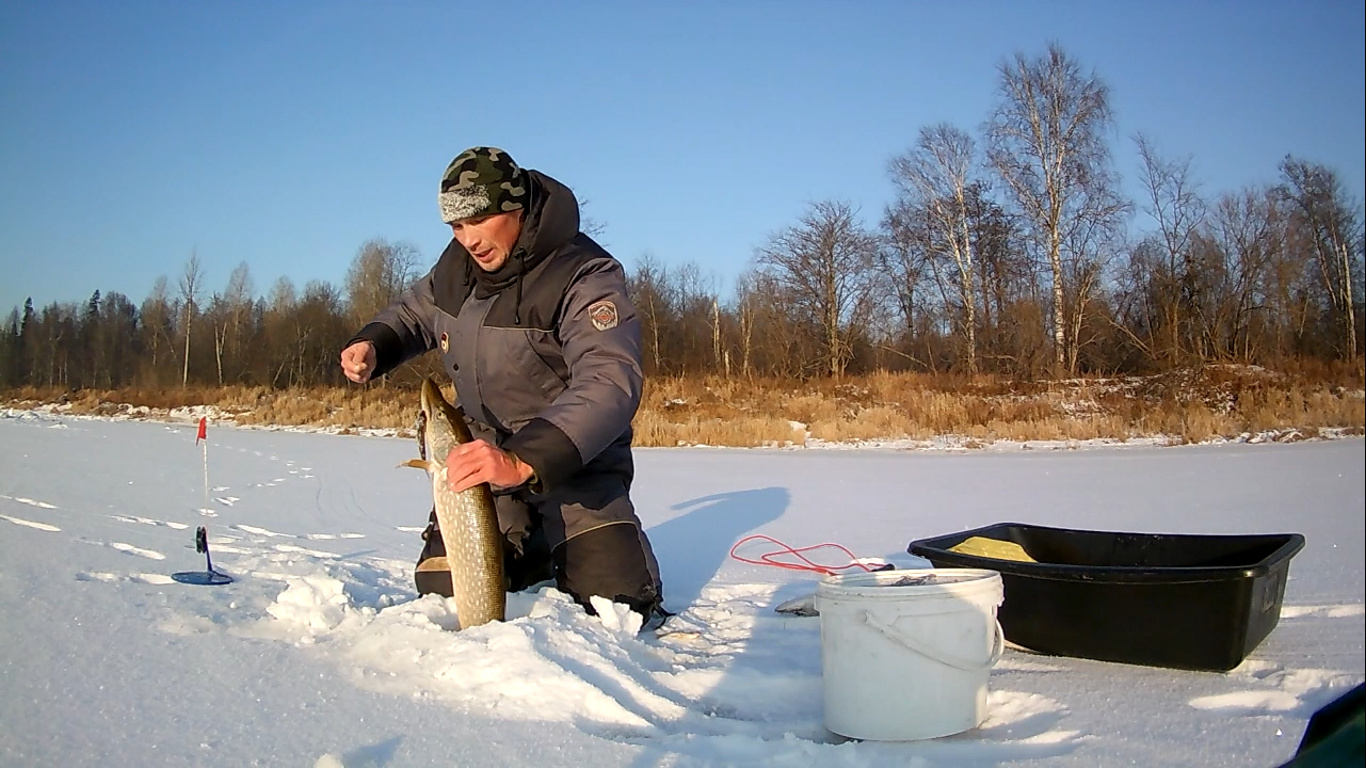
(468, 520)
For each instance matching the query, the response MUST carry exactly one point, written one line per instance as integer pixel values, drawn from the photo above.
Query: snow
(321, 654)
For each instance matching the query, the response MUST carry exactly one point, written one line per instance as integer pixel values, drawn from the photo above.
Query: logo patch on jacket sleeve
(604, 315)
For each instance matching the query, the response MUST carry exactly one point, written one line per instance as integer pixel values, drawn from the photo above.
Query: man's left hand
(477, 461)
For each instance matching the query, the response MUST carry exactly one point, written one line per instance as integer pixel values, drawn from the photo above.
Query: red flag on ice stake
(203, 430)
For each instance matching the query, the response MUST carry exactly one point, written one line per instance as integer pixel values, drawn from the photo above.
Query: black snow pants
(609, 561)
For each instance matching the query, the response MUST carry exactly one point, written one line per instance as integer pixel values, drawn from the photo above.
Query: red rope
(806, 563)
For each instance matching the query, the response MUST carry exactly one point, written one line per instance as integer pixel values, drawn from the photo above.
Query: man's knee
(612, 561)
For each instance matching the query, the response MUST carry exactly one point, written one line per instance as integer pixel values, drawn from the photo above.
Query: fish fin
(805, 605)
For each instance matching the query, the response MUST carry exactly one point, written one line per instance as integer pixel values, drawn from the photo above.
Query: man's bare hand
(358, 361)
(475, 462)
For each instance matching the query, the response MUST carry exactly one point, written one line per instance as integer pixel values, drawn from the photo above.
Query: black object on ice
(1336, 734)
(1185, 601)
(208, 576)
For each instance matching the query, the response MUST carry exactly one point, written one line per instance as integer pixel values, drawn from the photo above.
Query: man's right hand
(358, 361)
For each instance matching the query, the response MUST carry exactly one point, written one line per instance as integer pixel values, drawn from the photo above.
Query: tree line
(1007, 251)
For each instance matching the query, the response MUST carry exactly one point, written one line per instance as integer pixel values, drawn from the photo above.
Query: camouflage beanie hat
(481, 181)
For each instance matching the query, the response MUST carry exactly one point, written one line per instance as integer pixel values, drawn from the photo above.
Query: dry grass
(1191, 405)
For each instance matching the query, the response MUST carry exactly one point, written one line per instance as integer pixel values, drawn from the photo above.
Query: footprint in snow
(294, 549)
(30, 524)
(1286, 691)
(149, 521)
(140, 578)
(1346, 611)
(1248, 702)
(261, 531)
(30, 502)
(150, 554)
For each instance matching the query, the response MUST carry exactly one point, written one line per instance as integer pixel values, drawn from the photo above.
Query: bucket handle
(901, 638)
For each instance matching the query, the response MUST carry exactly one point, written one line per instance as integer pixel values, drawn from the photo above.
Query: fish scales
(468, 520)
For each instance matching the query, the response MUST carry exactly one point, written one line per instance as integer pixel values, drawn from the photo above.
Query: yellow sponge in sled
(993, 548)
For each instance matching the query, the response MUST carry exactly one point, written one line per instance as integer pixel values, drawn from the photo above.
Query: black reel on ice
(208, 576)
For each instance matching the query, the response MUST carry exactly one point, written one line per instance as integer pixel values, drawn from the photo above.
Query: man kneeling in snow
(533, 325)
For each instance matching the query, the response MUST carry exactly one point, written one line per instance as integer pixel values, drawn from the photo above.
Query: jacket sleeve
(403, 330)
(600, 335)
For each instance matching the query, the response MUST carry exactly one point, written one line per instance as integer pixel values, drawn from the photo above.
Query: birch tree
(190, 288)
(649, 289)
(1331, 227)
(1046, 139)
(230, 313)
(934, 177)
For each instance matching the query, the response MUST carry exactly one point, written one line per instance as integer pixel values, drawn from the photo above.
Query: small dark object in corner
(1336, 734)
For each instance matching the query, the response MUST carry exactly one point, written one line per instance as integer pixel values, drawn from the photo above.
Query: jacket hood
(552, 220)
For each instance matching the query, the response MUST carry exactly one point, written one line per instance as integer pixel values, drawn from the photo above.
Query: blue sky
(286, 134)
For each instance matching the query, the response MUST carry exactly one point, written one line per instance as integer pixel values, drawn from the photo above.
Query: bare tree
(1090, 246)
(745, 310)
(12, 361)
(650, 292)
(229, 313)
(1246, 235)
(120, 320)
(772, 338)
(190, 289)
(320, 330)
(1175, 205)
(157, 322)
(1005, 278)
(826, 266)
(590, 225)
(690, 334)
(934, 178)
(1046, 139)
(903, 258)
(1332, 227)
(281, 332)
(379, 272)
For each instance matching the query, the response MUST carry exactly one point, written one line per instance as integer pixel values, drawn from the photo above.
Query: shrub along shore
(1184, 406)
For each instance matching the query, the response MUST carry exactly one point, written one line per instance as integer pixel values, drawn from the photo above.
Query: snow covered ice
(321, 654)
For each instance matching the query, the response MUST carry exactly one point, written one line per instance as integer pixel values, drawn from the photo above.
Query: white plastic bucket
(906, 654)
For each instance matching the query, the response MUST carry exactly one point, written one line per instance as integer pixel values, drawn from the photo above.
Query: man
(533, 324)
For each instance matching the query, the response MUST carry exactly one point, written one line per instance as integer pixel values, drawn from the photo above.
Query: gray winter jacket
(545, 353)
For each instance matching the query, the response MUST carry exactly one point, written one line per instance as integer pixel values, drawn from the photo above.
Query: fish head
(441, 425)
